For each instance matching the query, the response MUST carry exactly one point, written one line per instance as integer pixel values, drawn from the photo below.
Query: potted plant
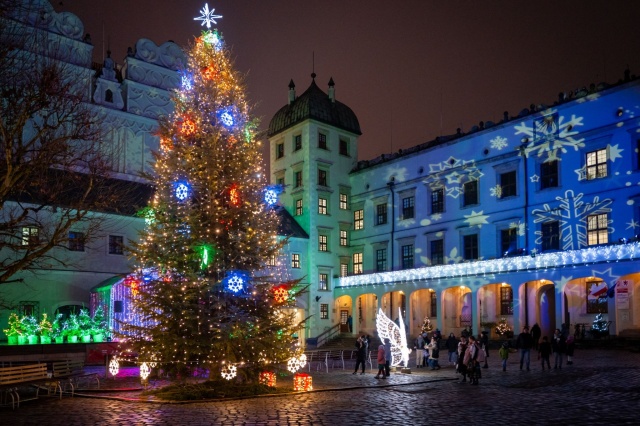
(71, 328)
(99, 325)
(85, 325)
(57, 328)
(31, 328)
(15, 331)
(45, 330)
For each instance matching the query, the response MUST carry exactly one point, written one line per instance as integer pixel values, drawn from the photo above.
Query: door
(344, 323)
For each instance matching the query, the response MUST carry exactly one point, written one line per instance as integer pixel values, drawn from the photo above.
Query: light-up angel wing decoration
(388, 329)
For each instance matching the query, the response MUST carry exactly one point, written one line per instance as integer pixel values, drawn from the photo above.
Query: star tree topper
(207, 16)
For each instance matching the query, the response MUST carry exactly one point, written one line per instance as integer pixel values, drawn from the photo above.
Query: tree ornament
(207, 16)
(270, 197)
(182, 190)
(188, 127)
(210, 73)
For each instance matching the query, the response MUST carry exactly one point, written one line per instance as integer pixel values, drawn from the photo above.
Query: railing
(327, 335)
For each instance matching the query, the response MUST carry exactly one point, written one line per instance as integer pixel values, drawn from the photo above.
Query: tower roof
(317, 105)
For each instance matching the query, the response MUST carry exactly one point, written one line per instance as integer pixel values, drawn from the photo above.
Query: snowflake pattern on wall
(398, 174)
(571, 214)
(521, 227)
(496, 191)
(451, 173)
(498, 143)
(476, 218)
(550, 135)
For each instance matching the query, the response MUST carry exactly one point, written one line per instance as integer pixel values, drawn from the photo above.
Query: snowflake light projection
(226, 117)
(571, 214)
(551, 134)
(499, 143)
(187, 83)
(388, 329)
(496, 191)
(477, 218)
(207, 16)
(228, 372)
(450, 174)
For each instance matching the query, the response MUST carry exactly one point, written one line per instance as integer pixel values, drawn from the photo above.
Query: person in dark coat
(544, 352)
(452, 347)
(361, 353)
(559, 347)
(536, 332)
(524, 344)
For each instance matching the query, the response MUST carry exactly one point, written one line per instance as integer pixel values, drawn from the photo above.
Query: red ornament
(210, 73)
(234, 195)
(187, 127)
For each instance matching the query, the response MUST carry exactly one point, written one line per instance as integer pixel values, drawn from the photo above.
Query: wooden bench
(14, 377)
(70, 373)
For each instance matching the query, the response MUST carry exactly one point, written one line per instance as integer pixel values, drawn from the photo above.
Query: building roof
(288, 227)
(317, 105)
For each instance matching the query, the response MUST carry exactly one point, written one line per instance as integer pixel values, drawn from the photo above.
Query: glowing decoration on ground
(235, 282)
(268, 378)
(270, 197)
(188, 127)
(388, 329)
(229, 372)
(296, 363)
(302, 382)
(114, 367)
(226, 118)
(182, 191)
(426, 325)
(280, 294)
(144, 371)
(207, 16)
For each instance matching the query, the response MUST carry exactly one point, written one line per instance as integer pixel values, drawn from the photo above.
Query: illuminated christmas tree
(203, 295)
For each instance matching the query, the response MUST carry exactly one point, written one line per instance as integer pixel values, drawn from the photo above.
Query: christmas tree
(204, 295)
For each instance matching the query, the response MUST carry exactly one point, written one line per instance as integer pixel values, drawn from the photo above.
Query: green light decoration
(206, 254)
(148, 214)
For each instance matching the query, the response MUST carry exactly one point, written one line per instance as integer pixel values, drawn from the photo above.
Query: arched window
(108, 96)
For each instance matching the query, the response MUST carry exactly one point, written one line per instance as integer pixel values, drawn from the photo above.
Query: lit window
(295, 260)
(358, 219)
(322, 206)
(299, 207)
(323, 282)
(344, 269)
(597, 229)
(344, 205)
(30, 235)
(322, 243)
(597, 164)
(357, 263)
(343, 238)
(506, 300)
(324, 311)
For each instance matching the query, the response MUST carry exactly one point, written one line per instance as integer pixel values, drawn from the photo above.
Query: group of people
(561, 344)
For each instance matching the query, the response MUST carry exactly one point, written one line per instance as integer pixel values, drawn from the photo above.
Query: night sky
(410, 70)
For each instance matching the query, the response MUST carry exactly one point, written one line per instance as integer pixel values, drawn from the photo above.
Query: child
(504, 355)
(381, 363)
(544, 352)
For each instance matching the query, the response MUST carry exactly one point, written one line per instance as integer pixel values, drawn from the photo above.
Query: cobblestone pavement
(601, 387)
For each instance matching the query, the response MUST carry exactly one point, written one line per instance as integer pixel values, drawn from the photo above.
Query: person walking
(484, 344)
(452, 347)
(503, 353)
(461, 367)
(571, 346)
(536, 332)
(558, 346)
(350, 323)
(434, 354)
(419, 350)
(381, 362)
(361, 354)
(387, 357)
(544, 352)
(524, 344)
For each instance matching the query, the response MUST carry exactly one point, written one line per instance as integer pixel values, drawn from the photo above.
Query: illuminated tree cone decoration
(209, 222)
